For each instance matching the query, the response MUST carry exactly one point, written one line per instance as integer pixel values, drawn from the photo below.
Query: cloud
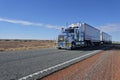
(28, 23)
(114, 27)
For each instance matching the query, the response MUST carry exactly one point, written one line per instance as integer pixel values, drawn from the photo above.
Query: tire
(59, 47)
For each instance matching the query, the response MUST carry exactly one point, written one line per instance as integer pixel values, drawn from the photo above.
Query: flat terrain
(18, 64)
(13, 45)
(102, 66)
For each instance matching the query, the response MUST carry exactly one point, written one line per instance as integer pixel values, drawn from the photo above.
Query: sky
(42, 19)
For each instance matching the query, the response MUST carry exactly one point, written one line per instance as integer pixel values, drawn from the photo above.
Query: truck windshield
(69, 30)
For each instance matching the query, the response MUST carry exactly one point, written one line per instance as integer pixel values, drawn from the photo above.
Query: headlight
(67, 44)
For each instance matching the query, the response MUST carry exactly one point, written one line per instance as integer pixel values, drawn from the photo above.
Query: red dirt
(102, 66)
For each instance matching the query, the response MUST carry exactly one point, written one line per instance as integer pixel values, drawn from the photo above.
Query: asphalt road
(17, 64)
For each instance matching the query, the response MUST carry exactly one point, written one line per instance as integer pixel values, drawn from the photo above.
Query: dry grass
(12, 45)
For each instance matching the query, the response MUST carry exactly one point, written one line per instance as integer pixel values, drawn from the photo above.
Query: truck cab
(70, 37)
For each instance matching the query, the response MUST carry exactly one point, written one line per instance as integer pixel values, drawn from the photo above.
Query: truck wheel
(59, 47)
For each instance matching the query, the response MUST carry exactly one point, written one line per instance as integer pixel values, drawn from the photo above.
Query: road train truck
(78, 35)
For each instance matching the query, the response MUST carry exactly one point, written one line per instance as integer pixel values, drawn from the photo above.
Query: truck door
(76, 34)
(81, 33)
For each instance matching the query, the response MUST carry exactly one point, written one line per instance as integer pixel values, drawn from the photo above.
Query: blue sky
(40, 19)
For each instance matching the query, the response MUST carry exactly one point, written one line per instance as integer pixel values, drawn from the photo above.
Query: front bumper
(64, 45)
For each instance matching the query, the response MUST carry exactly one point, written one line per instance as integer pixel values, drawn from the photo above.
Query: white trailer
(105, 38)
(91, 33)
(78, 35)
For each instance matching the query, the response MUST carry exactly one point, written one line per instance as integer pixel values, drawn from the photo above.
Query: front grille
(60, 38)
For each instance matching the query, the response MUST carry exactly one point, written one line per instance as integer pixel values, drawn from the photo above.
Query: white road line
(58, 65)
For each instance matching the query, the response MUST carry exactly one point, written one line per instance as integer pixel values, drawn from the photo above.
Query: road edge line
(64, 64)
